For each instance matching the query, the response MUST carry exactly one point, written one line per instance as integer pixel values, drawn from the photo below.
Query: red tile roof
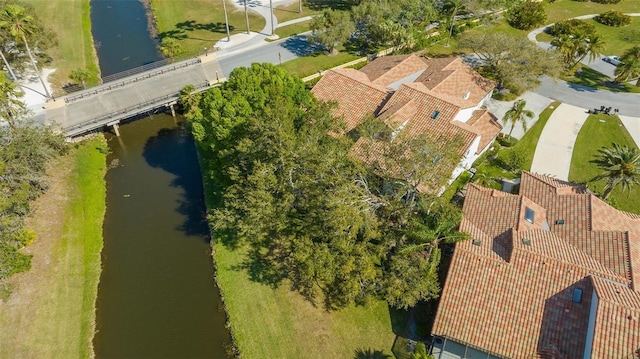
(388, 69)
(511, 292)
(357, 97)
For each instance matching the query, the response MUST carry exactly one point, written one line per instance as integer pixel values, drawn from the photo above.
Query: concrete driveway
(535, 103)
(555, 146)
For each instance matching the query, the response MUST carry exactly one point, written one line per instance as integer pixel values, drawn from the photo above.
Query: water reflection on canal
(157, 297)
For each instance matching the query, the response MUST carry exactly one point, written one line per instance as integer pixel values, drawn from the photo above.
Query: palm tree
(630, 66)
(19, 24)
(226, 19)
(620, 165)
(246, 17)
(518, 113)
(452, 6)
(81, 76)
(594, 47)
(170, 47)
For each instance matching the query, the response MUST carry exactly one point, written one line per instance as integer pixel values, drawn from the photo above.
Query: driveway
(555, 146)
(535, 103)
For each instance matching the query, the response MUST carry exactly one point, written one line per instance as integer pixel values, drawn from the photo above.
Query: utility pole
(246, 17)
(271, 12)
(226, 19)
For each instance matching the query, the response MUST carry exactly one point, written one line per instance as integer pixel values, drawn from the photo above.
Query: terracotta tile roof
(454, 77)
(617, 322)
(388, 69)
(356, 95)
(510, 289)
(486, 125)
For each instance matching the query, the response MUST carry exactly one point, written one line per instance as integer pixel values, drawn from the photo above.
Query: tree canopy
(311, 213)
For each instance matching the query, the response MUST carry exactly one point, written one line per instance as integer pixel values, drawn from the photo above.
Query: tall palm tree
(518, 113)
(226, 19)
(593, 47)
(630, 66)
(452, 7)
(620, 166)
(246, 17)
(19, 24)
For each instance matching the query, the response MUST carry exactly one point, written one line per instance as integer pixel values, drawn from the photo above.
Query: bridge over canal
(108, 104)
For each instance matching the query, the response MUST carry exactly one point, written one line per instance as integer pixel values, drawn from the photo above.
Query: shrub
(607, 1)
(613, 18)
(571, 26)
(526, 15)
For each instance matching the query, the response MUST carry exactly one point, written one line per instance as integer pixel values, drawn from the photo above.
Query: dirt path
(45, 316)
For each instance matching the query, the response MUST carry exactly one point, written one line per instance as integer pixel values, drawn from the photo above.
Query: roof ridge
(346, 72)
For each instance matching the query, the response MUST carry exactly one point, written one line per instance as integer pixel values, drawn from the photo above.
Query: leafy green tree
(526, 14)
(12, 109)
(331, 29)
(81, 76)
(630, 67)
(512, 61)
(620, 166)
(518, 113)
(19, 24)
(170, 47)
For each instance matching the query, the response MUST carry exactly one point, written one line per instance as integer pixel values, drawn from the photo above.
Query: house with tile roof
(551, 272)
(441, 99)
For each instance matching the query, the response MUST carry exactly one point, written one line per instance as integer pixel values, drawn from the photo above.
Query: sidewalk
(555, 146)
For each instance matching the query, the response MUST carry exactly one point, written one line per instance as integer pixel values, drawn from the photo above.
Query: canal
(157, 296)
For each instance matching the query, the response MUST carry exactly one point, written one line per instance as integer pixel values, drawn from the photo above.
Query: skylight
(435, 114)
(529, 214)
(577, 295)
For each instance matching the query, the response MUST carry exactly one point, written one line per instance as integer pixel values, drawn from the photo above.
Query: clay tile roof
(399, 113)
(388, 69)
(455, 78)
(486, 125)
(511, 290)
(617, 322)
(356, 95)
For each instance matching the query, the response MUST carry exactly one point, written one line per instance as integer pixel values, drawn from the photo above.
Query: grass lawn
(598, 131)
(527, 144)
(51, 312)
(592, 78)
(200, 23)
(279, 323)
(293, 29)
(620, 39)
(565, 9)
(308, 65)
(290, 12)
(70, 20)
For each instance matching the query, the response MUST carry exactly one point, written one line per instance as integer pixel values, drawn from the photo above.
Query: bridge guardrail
(126, 81)
(102, 120)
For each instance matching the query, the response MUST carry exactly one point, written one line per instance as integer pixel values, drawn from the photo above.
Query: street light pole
(246, 17)
(271, 12)
(226, 19)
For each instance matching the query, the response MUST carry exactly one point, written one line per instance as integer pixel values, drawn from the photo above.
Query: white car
(613, 60)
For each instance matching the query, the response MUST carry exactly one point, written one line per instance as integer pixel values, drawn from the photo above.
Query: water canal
(121, 34)
(157, 297)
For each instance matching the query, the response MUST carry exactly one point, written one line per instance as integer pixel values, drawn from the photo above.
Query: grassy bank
(599, 131)
(51, 311)
(200, 23)
(271, 322)
(70, 21)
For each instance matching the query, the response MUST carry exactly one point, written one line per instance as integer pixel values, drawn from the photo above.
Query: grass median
(51, 312)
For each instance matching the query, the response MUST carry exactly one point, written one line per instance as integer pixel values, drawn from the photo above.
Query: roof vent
(526, 241)
(435, 114)
(476, 242)
(466, 95)
(559, 221)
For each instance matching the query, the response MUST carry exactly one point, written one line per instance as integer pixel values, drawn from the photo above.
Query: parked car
(613, 60)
